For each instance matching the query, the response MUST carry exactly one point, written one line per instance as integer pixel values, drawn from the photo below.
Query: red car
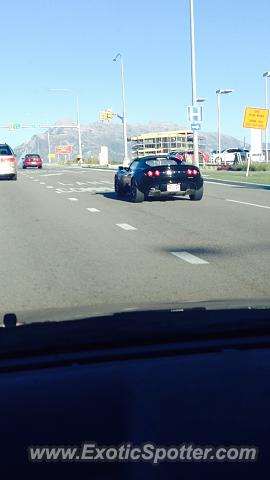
(32, 160)
(186, 155)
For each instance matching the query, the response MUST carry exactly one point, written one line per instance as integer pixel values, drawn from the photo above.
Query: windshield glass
(161, 162)
(82, 232)
(5, 150)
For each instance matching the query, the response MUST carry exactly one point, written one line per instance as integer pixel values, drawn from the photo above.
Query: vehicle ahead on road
(32, 160)
(230, 155)
(188, 156)
(156, 176)
(8, 167)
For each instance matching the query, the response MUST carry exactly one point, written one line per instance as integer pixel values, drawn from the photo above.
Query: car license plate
(173, 187)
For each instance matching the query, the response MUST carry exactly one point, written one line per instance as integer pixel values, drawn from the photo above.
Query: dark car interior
(165, 376)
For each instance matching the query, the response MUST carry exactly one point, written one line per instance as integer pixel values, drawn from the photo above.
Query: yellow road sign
(256, 118)
(51, 155)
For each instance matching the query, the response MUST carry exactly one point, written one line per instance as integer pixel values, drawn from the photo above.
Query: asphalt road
(67, 242)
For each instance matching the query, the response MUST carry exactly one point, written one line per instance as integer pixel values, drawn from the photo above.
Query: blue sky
(58, 44)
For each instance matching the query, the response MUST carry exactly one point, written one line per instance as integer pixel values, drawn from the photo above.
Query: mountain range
(96, 134)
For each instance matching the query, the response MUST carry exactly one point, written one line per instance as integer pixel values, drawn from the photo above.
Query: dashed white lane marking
(61, 183)
(72, 199)
(93, 210)
(36, 180)
(247, 203)
(188, 257)
(92, 190)
(42, 183)
(106, 181)
(31, 177)
(49, 186)
(126, 226)
(51, 174)
(225, 184)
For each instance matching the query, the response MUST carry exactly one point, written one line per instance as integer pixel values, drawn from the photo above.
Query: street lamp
(201, 99)
(124, 118)
(193, 78)
(49, 145)
(78, 115)
(266, 75)
(220, 92)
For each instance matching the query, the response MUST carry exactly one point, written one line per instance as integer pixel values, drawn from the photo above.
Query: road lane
(55, 254)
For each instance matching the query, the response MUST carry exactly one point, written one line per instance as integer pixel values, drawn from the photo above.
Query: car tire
(24, 166)
(14, 177)
(119, 192)
(197, 195)
(39, 167)
(136, 196)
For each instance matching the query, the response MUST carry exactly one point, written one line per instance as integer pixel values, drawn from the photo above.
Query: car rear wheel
(24, 166)
(118, 189)
(136, 196)
(197, 195)
(39, 167)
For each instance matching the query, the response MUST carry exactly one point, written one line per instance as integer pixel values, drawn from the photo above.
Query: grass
(254, 177)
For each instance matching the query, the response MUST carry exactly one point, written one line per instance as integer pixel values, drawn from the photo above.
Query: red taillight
(192, 171)
(150, 173)
(12, 159)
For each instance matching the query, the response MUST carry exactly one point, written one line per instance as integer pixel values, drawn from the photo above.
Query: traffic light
(106, 115)
(109, 114)
(102, 115)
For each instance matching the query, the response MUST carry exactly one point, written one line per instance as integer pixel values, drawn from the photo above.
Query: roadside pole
(248, 165)
(193, 77)
(49, 146)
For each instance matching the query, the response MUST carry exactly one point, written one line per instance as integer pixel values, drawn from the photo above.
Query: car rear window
(32, 155)
(5, 150)
(161, 162)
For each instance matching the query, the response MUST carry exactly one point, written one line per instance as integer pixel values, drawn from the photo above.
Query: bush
(262, 167)
(254, 167)
(239, 168)
(91, 161)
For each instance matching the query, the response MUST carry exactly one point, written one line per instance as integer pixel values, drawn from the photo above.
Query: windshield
(5, 150)
(81, 236)
(161, 162)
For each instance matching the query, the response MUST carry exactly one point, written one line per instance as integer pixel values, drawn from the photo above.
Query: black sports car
(158, 175)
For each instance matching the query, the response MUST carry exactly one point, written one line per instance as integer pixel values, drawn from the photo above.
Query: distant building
(163, 143)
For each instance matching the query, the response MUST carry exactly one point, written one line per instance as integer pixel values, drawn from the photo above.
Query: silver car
(8, 167)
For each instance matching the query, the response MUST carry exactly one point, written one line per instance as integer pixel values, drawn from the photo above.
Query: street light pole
(219, 134)
(220, 92)
(124, 118)
(266, 75)
(49, 145)
(79, 127)
(193, 77)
